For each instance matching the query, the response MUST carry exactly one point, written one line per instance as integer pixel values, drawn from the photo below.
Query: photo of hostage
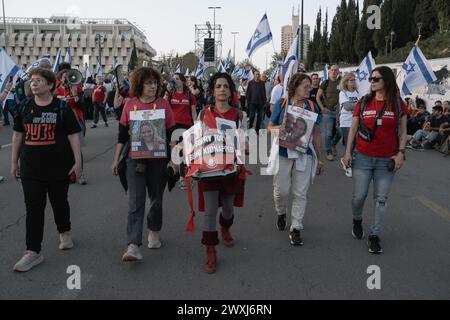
(293, 130)
(150, 139)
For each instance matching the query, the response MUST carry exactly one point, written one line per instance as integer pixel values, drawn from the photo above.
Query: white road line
(433, 206)
(5, 146)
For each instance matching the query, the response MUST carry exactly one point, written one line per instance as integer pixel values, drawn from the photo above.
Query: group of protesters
(49, 126)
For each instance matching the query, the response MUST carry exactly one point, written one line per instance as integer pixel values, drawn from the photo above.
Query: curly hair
(139, 77)
(219, 75)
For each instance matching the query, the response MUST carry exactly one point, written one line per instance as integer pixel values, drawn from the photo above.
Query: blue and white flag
(248, 74)
(238, 72)
(417, 71)
(262, 36)
(200, 67)
(274, 74)
(68, 56)
(325, 73)
(35, 65)
(99, 71)
(290, 65)
(221, 68)
(363, 73)
(178, 69)
(229, 60)
(87, 72)
(57, 61)
(187, 74)
(8, 68)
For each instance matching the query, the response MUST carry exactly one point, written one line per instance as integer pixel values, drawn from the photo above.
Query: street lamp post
(99, 39)
(387, 42)
(234, 47)
(392, 36)
(4, 18)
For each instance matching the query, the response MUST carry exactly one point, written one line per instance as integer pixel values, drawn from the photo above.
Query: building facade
(90, 41)
(288, 34)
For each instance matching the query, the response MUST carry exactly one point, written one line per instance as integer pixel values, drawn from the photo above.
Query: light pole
(419, 26)
(302, 41)
(234, 47)
(99, 38)
(4, 19)
(214, 8)
(392, 36)
(387, 42)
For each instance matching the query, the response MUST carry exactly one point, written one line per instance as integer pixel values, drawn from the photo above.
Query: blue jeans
(9, 108)
(428, 135)
(331, 134)
(366, 169)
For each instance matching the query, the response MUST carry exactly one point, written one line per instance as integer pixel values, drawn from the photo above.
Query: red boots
(225, 230)
(210, 240)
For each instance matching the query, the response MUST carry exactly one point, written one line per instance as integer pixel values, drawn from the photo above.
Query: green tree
(133, 59)
(442, 8)
(337, 33)
(364, 36)
(426, 14)
(324, 46)
(351, 27)
(314, 45)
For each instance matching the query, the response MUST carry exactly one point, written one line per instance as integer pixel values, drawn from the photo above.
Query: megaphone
(74, 77)
(210, 72)
(117, 72)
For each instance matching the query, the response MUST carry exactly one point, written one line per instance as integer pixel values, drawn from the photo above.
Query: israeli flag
(178, 70)
(229, 60)
(200, 67)
(262, 36)
(417, 71)
(221, 68)
(238, 72)
(248, 74)
(290, 65)
(186, 74)
(87, 72)
(35, 65)
(57, 61)
(325, 73)
(274, 74)
(99, 70)
(68, 56)
(363, 73)
(8, 68)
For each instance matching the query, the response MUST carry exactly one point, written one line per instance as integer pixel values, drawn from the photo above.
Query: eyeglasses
(375, 79)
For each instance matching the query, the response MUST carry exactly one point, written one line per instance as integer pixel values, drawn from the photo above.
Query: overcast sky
(170, 24)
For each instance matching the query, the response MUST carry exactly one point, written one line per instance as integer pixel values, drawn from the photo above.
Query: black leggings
(35, 193)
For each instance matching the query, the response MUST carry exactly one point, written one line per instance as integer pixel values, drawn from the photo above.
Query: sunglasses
(375, 79)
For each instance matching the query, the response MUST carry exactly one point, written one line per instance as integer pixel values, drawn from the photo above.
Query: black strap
(364, 104)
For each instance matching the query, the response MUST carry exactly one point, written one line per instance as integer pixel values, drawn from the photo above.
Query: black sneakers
(357, 231)
(296, 239)
(281, 222)
(374, 245)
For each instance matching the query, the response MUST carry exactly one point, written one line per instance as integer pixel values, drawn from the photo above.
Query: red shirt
(99, 94)
(385, 142)
(131, 103)
(66, 92)
(181, 107)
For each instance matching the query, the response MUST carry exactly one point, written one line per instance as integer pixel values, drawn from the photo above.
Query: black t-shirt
(313, 95)
(436, 123)
(46, 154)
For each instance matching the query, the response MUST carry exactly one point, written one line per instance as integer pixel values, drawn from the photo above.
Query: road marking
(5, 146)
(433, 206)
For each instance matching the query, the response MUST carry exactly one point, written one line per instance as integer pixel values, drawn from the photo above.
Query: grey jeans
(153, 181)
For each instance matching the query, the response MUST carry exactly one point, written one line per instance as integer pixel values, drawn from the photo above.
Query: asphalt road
(262, 265)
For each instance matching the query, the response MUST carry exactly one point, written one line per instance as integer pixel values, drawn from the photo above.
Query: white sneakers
(28, 261)
(132, 254)
(66, 242)
(348, 170)
(153, 240)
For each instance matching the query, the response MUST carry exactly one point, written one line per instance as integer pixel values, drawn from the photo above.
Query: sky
(170, 24)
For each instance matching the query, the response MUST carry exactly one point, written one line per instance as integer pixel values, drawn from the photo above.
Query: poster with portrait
(209, 153)
(298, 128)
(148, 134)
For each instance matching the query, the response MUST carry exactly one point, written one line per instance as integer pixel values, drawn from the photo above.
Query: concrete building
(288, 33)
(28, 39)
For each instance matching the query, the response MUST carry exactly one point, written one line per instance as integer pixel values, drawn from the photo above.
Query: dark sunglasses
(375, 79)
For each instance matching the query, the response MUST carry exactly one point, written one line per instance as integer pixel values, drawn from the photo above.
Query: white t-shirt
(346, 117)
(277, 94)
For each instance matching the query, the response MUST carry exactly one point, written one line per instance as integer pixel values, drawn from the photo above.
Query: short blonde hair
(344, 81)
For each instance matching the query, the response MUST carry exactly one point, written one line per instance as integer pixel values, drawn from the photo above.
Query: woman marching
(144, 174)
(226, 192)
(379, 128)
(47, 144)
(295, 174)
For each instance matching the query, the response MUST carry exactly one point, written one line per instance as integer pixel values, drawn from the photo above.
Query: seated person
(430, 132)
(416, 122)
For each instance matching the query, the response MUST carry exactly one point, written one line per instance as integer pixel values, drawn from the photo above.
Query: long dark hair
(139, 77)
(390, 86)
(183, 79)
